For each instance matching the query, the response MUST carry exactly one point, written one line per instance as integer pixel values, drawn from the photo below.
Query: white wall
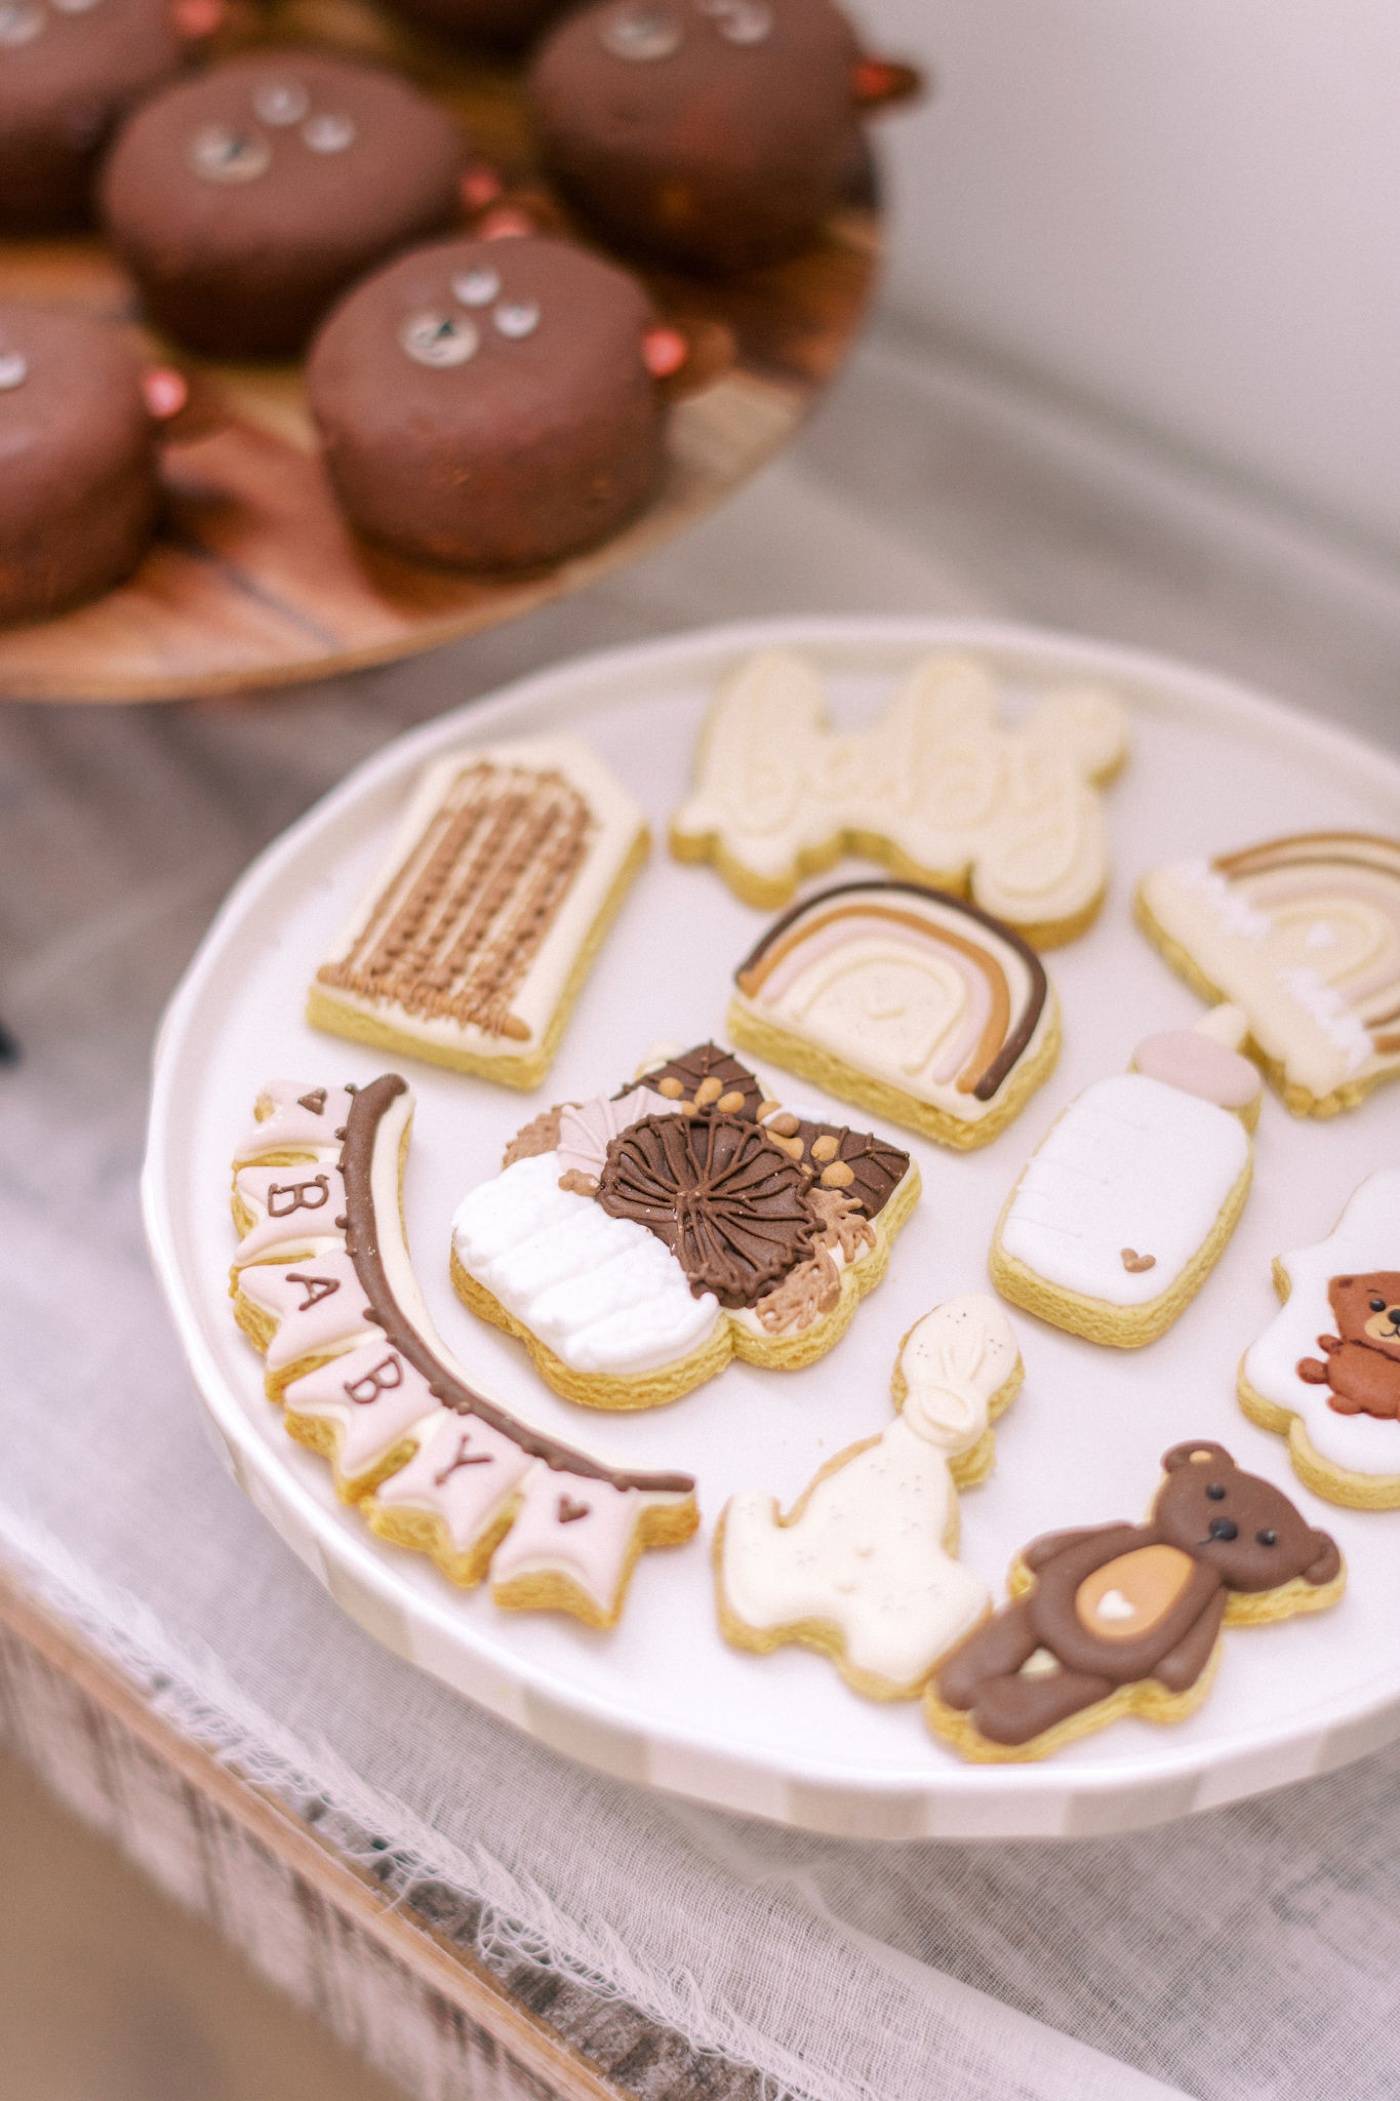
(1189, 209)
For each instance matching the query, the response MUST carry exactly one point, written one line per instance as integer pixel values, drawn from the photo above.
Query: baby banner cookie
(940, 790)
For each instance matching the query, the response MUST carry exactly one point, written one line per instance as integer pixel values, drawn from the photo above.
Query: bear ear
(1327, 1565)
(1198, 1451)
(1342, 1283)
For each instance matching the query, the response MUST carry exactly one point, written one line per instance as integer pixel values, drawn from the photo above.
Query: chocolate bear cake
(245, 201)
(488, 404)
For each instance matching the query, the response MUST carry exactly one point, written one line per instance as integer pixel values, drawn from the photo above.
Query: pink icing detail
(467, 1497)
(284, 1214)
(333, 1318)
(591, 1547)
(371, 1426)
(292, 1125)
(1194, 1064)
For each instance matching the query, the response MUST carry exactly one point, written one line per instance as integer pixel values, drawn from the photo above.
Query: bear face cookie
(1126, 1619)
(1325, 1373)
(488, 404)
(243, 202)
(637, 1242)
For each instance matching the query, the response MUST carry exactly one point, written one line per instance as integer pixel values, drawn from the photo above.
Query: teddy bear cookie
(1126, 1619)
(494, 403)
(69, 72)
(713, 133)
(79, 420)
(637, 1242)
(322, 1284)
(1303, 934)
(863, 1568)
(471, 945)
(244, 201)
(1325, 1373)
(940, 789)
(1131, 1198)
(905, 1000)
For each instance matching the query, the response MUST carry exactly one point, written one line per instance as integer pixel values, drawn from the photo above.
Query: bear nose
(1224, 1528)
(1394, 1316)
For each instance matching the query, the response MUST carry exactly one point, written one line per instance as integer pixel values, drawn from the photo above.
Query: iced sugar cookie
(939, 789)
(863, 1568)
(473, 942)
(905, 1000)
(1303, 934)
(1126, 1207)
(636, 1242)
(1325, 1373)
(1126, 1619)
(323, 1285)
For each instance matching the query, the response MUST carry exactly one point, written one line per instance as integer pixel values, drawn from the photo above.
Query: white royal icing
(1365, 1237)
(866, 1553)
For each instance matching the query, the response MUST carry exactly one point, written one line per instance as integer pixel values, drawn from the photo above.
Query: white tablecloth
(1249, 1954)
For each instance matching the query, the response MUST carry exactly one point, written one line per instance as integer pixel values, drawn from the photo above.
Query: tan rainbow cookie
(1303, 934)
(940, 790)
(322, 1284)
(472, 943)
(636, 1242)
(863, 1568)
(905, 1000)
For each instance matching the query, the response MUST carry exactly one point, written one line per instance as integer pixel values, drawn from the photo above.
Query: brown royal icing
(1361, 1361)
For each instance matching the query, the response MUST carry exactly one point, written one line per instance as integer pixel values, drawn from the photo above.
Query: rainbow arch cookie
(1303, 934)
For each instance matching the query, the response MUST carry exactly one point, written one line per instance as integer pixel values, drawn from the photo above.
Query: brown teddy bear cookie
(69, 71)
(245, 201)
(78, 496)
(491, 404)
(718, 133)
(1126, 1619)
(1360, 1364)
(506, 24)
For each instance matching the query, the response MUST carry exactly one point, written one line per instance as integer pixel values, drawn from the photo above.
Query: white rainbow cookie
(323, 1285)
(472, 944)
(635, 1243)
(1122, 1213)
(905, 1000)
(1325, 1373)
(1303, 934)
(940, 790)
(863, 1567)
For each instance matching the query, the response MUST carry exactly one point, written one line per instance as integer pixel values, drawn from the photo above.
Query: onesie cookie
(939, 789)
(492, 404)
(863, 1567)
(1325, 1373)
(636, 1242)
(472, 943)
(715, 133)
(1126, 1619)
(69, 72)
(1303, 934)
(905, 1000)
(243, 202)
(322, 1284)
(1130, 1200)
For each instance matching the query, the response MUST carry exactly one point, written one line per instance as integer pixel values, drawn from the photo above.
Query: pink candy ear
(166, 392)
(197, 19)
(879, 83)
(506, 224)
(665, 352)
(480, 186)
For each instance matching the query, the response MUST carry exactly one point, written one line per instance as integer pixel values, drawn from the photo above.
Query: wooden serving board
(256, 581)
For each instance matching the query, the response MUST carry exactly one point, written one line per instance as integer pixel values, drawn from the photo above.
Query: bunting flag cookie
(323, 1285)
(1128, 1204)
(1303, 934)
(863, 1568)
(1325, 1373)
(635, 1243)
(906, 1001)
(940, 790)
(1126, 1619)
(473, 942)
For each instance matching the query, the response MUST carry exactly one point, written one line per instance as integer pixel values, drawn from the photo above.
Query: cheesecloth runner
(1250, 1953)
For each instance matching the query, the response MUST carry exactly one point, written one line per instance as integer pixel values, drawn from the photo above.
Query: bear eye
(1267, 1537)
(1216, 1492)
(1378, 1305)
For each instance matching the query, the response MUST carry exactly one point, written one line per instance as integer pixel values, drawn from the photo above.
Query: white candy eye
(14, 370)
(281, 102)
(73, 7)
(518, 319)
(476, 287)
(439, 339)
(642, 29)
(745, 21)
(218, 153)
(328, 134)
(20, 22)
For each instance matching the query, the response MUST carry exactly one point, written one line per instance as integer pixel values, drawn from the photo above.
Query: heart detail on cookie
(1135, 1263)
(1114, 1606)
(570, 1511)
